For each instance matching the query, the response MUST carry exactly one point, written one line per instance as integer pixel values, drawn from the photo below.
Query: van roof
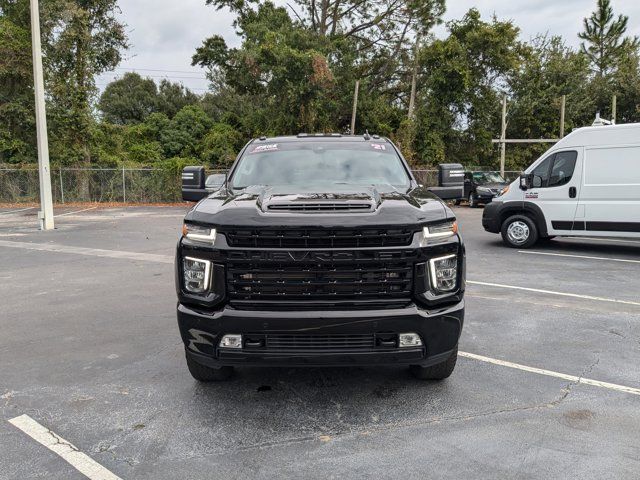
(604, 135)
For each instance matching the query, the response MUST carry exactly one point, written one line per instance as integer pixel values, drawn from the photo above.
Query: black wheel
(439, 371)
(473, 200)
(519, 231)
(202, 373)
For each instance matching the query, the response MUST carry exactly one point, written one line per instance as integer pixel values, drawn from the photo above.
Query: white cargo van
(588, 184)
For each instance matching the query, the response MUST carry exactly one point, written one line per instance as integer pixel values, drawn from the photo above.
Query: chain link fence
(131, 185)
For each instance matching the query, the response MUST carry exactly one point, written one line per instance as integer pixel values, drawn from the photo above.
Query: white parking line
(92, 252)
(551, 292)
(604, 239)
(587, 257)
(74, 457)
(16, 211)
(551, 373)
(77, 211)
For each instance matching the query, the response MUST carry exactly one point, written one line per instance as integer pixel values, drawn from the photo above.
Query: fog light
(197, 274)
(443, 272)
(409, 340)
(231, 341)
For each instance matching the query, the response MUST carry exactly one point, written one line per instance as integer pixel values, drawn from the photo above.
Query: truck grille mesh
(318, 238)
(357, 275)
(320, 342)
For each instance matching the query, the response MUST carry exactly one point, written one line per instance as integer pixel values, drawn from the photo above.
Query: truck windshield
(308, 164)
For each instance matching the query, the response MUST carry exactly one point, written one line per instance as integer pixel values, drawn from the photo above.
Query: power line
(155, 70)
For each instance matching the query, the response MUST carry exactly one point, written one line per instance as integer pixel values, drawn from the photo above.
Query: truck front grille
(320, 342)
(321, 276)
(318, 238)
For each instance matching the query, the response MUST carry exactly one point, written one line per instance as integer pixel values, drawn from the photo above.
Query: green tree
(462, 80)
(604, 41)
(181, 136)
(129, 100)
(87, 40)
(173, 97)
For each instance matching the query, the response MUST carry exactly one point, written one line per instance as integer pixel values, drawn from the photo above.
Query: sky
(164, 33)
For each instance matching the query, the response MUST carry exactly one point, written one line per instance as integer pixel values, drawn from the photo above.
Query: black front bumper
(439, 330)
(491, 217)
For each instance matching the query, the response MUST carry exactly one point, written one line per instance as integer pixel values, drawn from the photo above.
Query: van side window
(541, 173)
(562, 170)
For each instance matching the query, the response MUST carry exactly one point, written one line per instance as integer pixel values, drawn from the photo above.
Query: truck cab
(320, 250)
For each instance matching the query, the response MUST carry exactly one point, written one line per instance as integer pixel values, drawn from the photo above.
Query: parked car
(317, 251)
(481, 188)
(588, 184)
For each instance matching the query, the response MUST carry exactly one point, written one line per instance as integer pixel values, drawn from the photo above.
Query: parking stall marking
(77, 211)
(67, 451)
(16, 211)
(551, 292)
(587, 257)
(92, 252)
(550, 373)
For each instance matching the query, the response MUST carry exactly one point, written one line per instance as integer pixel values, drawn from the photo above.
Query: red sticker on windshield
(379, 146)
(272, 147)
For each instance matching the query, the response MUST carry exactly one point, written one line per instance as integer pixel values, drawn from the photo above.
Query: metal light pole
(46, 203)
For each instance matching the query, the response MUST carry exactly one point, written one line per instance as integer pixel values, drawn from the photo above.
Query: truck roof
(333, 137)
(628, 133)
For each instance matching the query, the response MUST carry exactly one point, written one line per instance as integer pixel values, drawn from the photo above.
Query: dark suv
(320, 251)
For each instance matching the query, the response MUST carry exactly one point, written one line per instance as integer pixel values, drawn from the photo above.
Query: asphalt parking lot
(548, 385)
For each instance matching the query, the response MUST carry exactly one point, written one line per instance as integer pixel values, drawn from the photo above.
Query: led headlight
(483, 190)
(198, 233)
(197, 274)
(439, 231)
(443, 273)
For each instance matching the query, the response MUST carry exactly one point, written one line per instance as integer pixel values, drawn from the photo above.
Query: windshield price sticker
(379, 146)
(272, 147)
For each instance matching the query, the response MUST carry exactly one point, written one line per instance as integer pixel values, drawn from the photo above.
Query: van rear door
(556, 187)
(610, 195)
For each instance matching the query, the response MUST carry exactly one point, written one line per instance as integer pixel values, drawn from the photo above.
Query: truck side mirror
(193, 186)
(525, 181)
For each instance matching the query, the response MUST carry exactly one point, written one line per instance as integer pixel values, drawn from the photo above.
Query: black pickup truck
(320, 251)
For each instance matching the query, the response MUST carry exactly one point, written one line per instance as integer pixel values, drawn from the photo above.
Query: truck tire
(202, 373)
(439, 371)
(519, 231)
(473, 200)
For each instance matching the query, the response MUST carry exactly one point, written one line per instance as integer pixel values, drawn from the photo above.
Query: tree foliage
(294, 69)
(604, 42)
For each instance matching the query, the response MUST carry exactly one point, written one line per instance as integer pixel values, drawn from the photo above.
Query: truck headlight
(198, 233)
(439, 231)
(443, 273)
(197, 274)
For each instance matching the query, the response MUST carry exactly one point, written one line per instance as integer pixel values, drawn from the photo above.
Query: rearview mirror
(525, 181)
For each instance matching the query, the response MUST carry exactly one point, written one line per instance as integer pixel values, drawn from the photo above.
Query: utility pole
(46, 202)
(614, 107)
(355, 108)
(503, 135)
(562, 108)
(412, 98)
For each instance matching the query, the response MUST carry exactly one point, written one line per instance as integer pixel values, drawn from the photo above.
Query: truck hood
(265, 206)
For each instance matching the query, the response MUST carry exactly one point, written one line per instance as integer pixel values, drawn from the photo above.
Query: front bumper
(491, 217)
(439, 330)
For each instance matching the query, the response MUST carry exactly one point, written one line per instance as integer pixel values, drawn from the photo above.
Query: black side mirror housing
(193, 186)
(526, 180)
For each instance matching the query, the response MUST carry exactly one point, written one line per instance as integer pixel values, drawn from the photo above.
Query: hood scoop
(321, 207)
(319, 203)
